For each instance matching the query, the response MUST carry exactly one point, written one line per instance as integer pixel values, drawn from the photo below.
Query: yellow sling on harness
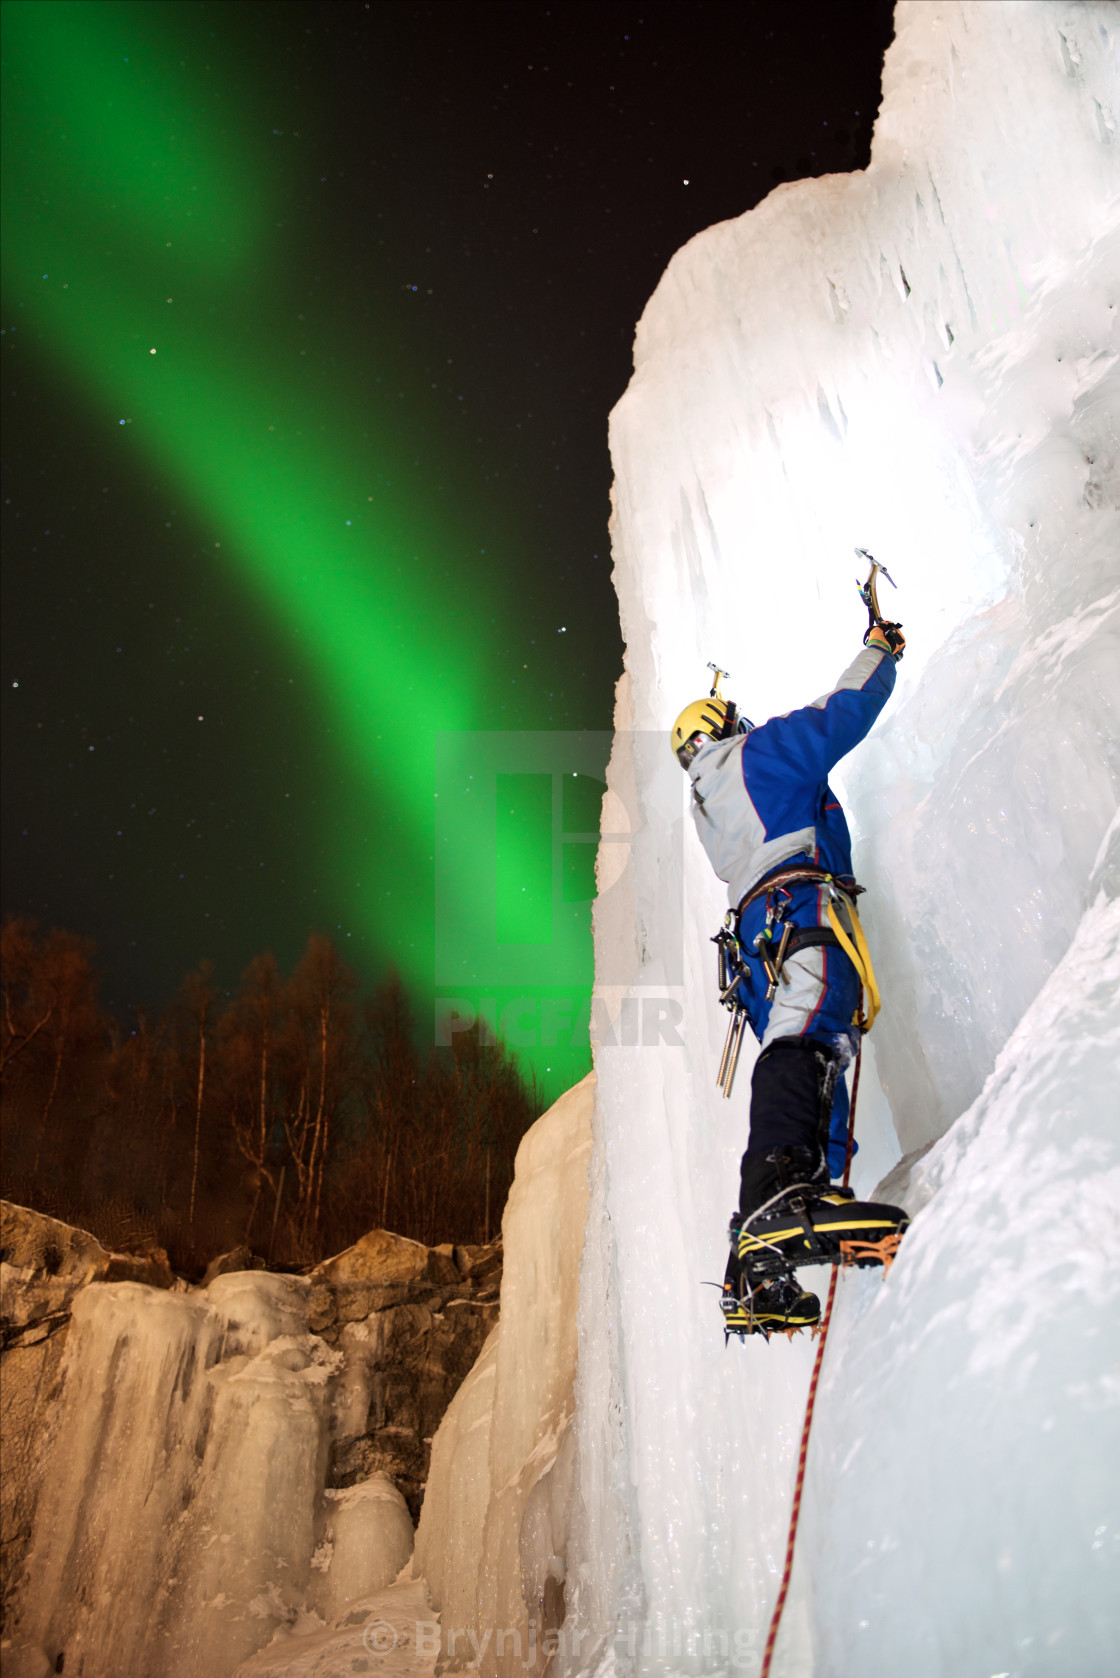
(855, 948)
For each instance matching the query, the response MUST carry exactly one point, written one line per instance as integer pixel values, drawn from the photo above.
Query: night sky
(313, 316)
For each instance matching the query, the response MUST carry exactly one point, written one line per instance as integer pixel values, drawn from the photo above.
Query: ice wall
(165, 1395)
(493, 1531)
(180, 1519)
(971, 1415)
(920, 360)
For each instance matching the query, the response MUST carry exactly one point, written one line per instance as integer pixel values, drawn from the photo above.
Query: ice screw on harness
(730, 972)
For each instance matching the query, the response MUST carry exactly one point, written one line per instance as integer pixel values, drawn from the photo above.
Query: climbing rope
(803, 1455)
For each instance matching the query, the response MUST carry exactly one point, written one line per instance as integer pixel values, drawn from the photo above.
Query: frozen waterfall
(920, 360)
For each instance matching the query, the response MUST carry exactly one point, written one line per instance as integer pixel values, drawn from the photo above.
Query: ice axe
(717, 677)
(867, 590)
(731, 710)
(869, 595)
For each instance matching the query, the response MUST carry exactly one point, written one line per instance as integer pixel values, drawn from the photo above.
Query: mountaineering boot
(789, 1212)
(825, 1224)
(764, 1306)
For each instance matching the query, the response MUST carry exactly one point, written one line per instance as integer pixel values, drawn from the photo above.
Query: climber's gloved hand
(888, 637)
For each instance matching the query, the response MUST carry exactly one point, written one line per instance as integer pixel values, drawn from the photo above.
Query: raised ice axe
(867, 591)
(718, 676)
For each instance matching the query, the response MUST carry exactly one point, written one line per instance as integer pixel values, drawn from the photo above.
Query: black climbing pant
(791, 1103)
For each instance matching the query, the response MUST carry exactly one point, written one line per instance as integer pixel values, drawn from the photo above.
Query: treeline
(290, 1118)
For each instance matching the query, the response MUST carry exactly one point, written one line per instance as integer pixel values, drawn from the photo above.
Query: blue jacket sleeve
(804, 745)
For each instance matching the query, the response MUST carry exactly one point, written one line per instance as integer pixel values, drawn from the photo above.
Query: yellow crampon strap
(860, 957)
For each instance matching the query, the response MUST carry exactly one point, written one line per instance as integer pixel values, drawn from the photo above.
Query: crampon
(775, 1306)
(812, 1225)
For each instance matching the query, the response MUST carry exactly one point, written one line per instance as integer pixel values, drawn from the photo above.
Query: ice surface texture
(921, 360)
(973, 1411)
(176, 1520)
(493, 1529)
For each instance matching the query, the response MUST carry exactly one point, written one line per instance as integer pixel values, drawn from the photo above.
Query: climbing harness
(780, 939)
(803, 1454)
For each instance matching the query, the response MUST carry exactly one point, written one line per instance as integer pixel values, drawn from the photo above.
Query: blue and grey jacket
(764, 799)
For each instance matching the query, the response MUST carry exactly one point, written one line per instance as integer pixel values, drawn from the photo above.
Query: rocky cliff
(222, 1459)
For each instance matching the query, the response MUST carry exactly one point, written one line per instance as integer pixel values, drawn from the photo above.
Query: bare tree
(51, 1020)
(250, 1030)
(321, 1027)
(198, 1000)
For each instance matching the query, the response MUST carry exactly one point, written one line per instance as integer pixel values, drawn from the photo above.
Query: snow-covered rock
(365, 1538)
(392, 1632)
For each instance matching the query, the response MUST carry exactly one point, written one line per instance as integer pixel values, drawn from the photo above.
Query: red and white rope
(803, 1455)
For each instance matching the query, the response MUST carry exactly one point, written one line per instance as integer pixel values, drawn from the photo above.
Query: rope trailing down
(803, 1454)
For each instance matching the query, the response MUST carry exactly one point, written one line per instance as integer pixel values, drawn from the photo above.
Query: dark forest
(289, 1118)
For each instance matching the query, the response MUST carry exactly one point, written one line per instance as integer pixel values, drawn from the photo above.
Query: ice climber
(774, 830)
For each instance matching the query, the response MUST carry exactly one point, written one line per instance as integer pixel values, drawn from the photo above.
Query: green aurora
(145, 250)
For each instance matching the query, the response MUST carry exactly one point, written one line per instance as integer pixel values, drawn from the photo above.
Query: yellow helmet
(704, 717)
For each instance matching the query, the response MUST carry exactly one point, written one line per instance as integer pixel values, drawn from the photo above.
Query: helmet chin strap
(730, 721)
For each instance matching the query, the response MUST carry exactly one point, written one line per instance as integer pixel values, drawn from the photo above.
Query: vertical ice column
(175, 1525)
(919, 359)
(452, 1520)
(683, 1443)
(492, 1539)
(244, 1552)
(248, 1538)
(128, 1435)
